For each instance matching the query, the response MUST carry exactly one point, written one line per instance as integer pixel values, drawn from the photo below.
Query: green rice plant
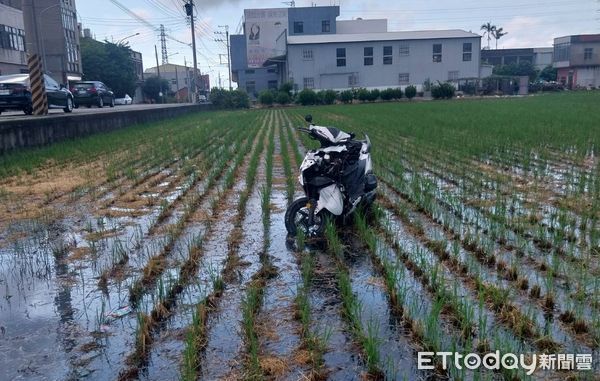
(250, 305)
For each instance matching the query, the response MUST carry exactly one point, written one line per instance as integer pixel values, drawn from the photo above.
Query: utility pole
(177, 83)
(189, 10)
(39, 102)
(226, 27)
(163, 45)
(160, 93)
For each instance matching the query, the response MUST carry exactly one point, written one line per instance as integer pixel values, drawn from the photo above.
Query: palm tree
(498, 33)
(488, 29)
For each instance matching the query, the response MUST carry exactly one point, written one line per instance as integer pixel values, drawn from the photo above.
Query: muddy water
(342, 359)
(278, 331)
(396, 350)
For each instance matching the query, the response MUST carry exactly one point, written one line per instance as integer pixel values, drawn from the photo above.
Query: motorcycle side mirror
(308, 118)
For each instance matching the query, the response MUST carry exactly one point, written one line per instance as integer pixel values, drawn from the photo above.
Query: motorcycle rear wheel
(296, 217)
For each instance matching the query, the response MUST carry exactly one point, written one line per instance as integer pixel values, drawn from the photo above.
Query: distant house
(308, 47)
(180, 78)
(577, 59)
(539, 57)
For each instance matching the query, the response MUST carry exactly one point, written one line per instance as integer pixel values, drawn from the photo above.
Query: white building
(381, 59)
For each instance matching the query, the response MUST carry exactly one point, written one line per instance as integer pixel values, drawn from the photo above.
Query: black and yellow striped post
(39, 102)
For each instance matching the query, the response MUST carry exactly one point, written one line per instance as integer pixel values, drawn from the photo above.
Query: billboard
(262, 28)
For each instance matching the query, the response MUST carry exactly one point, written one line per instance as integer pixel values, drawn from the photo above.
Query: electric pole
(189, 10)
(35, 63)
(226, 27)
(160, 93)
(163, 45)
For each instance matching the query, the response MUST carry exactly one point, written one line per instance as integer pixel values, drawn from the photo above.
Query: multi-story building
(539, 57)
(258, 55)
(55, 31)
(312, 49)
(380, 60)
(13, 59)
(577, 59)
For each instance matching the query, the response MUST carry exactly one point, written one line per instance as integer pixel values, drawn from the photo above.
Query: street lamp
(125, 38)
(41, 40)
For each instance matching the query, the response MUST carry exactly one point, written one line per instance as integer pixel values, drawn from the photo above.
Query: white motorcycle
(337, 179)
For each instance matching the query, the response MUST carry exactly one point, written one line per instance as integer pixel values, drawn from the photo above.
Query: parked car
(15, 94)
(124, 101)
(92, 93)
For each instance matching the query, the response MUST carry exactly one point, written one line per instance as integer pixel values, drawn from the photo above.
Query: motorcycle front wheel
(296, 218)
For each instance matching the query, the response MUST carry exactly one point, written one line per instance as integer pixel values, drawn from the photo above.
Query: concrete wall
(34, 132)
(362, 26)
(418, 64)
(312, 18)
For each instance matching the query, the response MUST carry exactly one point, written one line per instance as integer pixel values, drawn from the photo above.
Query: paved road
(12, 115)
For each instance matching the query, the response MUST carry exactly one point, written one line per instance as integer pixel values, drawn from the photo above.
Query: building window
(404, 50)
(309, 83)
(325, 26)
(437, 52)
(561, 52)
(353, 80)
(272, 70)
(403, 78)
(453, 75)
(467, 51)
(250, 87)
(307, 54)
(298, 27)
(12, 38)
(368, 56)
(387, 55)
(272, 85)
(249, 71)
(587, 53)
(341, 56)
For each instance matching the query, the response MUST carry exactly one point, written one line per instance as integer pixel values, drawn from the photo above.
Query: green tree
(153, 86)
(548, 73)
(346, 96)
(410, 91)
(287, 88)
(488, 29)
(266, 97)
(329, 97)
(307, 97)
(283, 98)
(109, 63)
(498, 34)
(523, 68)
(239, 99)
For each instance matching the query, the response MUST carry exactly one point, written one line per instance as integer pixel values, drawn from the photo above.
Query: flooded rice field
(170, 259)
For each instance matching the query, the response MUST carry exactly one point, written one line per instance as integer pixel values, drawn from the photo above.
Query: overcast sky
(531, 23)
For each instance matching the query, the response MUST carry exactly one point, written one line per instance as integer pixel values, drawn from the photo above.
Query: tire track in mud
(375, 317)
(223, 352)
(219, 265)
(199, 277)
(278, 336)
(340, 358)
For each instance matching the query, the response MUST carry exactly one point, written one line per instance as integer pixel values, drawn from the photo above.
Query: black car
(15, 94)
(92, 93)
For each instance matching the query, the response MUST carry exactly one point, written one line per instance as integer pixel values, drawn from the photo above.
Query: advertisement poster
(262, 28)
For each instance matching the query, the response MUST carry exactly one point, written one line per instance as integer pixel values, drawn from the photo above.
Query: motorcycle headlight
(326, 157)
